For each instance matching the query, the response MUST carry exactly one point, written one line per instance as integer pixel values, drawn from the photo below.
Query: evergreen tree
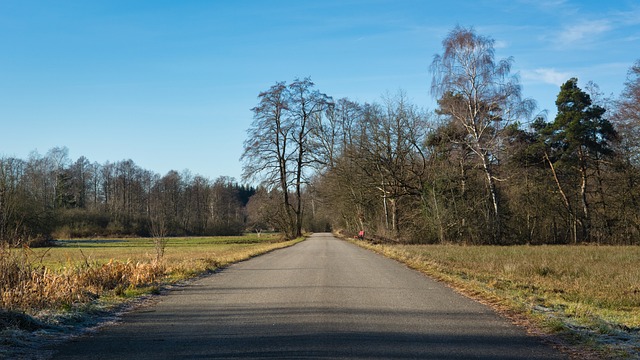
(578, 138)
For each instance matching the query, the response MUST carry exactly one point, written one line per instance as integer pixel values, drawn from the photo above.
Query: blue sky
(170, 84)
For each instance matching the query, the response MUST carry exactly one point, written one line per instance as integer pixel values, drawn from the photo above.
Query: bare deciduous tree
(306, 105)
(266, 153)
(482, 96)
(278, 148)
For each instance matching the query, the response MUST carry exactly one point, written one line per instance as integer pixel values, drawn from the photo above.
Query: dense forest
(484, 167)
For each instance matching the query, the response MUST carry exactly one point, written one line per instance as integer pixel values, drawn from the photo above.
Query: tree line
(482, 168)
(50, 196)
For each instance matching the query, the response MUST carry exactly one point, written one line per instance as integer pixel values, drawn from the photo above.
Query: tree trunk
(285, 196)
(438, 217)
(394, 216)
(586, 222)
(493, 192)
(565, 200)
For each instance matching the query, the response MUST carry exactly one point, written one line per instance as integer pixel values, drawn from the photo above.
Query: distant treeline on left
(51, 196)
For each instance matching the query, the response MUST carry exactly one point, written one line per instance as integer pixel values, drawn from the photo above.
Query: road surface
(321, 299)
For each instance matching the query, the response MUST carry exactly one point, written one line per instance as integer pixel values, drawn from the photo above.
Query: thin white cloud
(500, 44)
(629, 17)
(583, 32)
(545, 75)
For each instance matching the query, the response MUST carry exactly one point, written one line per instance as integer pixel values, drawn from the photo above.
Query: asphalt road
(321, 299)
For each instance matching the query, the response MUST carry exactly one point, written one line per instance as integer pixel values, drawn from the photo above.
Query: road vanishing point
(323, 298)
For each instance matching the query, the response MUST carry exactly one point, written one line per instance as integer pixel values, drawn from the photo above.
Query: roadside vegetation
(58, 288)
(590, 295)
(79, 271)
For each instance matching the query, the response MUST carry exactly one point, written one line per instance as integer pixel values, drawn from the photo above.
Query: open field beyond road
(220, 249)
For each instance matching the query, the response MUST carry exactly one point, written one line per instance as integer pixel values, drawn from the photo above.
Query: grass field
(207, 251)
(80, 271)
(589, 293)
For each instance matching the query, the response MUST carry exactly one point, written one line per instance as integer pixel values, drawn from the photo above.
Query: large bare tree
(278, 150)
(627, 116)
(482, 96)
(627, 122)
(306, 106)
(266, 155)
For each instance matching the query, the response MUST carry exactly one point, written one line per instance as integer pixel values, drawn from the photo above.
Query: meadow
(75, 272)
(587, 294)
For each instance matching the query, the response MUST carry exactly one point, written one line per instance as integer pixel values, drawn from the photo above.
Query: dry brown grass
(49, 294)
(82, 271)
(29, 286)
(588, 292)
(41, 288)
